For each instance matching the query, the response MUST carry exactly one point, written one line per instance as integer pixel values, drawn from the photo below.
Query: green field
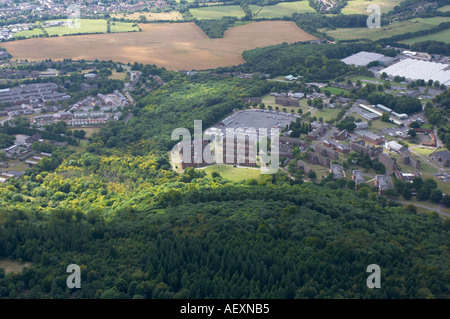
(443, 36)
(282, 9)
(117, 26)
(86, 26)
(360, 6)
(233, 173)
(270, 100)
(425, 151)
(327, 114)
(217, 12)
(383, 32)
(336, 91)
(444, 8)
(29, 33)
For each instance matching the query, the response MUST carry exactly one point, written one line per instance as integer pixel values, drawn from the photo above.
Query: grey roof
(444, 154)
(362, 58)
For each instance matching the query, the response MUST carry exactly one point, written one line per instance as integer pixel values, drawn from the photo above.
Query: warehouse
(362, 58)
(420, 70)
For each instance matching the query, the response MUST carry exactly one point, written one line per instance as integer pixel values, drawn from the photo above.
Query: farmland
(174, 46)
(282, 9)
(383, 32)
(217, 12)
(360, 6)
(443, 36)
(150, 16)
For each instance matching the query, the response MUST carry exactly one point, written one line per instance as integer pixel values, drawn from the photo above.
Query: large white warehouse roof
(420, 70)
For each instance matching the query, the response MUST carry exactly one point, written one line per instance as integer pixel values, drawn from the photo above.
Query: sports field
(233, 173)
(360, 6)
(176, 46)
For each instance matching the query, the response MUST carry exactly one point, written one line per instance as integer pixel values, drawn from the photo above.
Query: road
(426, 207)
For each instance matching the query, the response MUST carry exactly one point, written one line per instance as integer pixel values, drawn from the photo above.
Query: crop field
(383, 32)
(217, 12)
(360, 6)
(150, 16)
(176, 46)
(282, 9)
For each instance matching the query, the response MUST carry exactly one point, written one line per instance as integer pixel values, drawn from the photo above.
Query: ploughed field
(175, 46)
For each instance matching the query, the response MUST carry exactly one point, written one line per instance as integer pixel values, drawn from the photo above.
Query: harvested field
(151, 16)
(175, 46)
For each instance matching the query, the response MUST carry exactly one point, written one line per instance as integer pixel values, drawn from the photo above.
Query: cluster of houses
(7, 32)
(34, 95)
(19, 149)
(89, 112)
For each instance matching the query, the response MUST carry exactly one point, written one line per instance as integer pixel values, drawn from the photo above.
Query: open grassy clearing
(443, 36)
(282, 9)
(270, 100)
(217, 12)
(336, 91)
(86, 26)
(36, 32)
(444, 8)
(423, 151)
(118, 75)
(360, 6)
(175, 46)
(150, 16)
(383, 32)
(327, 114)
(233, 173)
(12, 266)
(89, 130)
(117, 26)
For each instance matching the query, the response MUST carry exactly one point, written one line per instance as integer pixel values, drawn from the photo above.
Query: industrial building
(362, 58)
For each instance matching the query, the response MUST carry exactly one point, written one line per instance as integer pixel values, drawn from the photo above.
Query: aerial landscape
(225, 150)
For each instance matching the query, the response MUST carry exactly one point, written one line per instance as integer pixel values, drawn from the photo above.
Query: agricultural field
(443, 36)
(383, 32)
(117, 26)
(281, 9)
(444, 8)
(175, 46)
(150, 16)
(217, 12)
(360, 6)
(233, 173)
(86, 26)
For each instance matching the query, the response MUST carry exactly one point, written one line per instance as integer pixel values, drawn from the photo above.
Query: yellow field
(162, 16)
(175, 46)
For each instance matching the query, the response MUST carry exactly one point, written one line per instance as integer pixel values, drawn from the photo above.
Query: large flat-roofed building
(362, 58)
(370, 137)
(420, 70)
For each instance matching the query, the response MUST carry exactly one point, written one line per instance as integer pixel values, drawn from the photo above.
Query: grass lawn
(363, 78)
(360, 6)
(432, 21)
(383, 32)
(443, 186)
(217, 12)
(283, 9)
(425, 151)
(233, 173)
(327, 114)
(86, 26)
(270, 100)
(89, 130)
(444, 8)
(123, 27)
(443, 36)
(335, 91)
(29, 33)
(379, 125)
(117, 75)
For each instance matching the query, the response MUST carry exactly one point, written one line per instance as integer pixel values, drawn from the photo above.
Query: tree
(385, 117)
(412, 133)
(423, 194)
(436, 196)
(406, 193)
(312, 174)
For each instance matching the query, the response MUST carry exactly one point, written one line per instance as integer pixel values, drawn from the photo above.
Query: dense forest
(234, 241)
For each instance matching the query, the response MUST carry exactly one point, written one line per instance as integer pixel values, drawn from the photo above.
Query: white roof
(362, 58)
(394, 145)
(420, 70)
